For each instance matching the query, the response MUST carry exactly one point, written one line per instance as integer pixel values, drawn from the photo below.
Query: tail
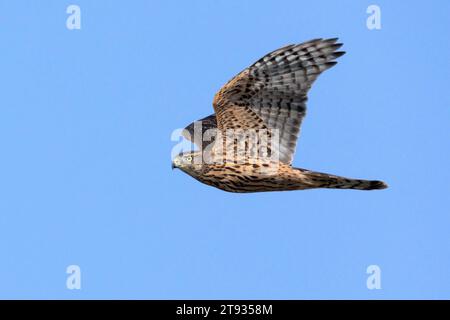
(325, 180)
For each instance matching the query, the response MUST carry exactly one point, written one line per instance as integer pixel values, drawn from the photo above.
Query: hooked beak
(176, 163)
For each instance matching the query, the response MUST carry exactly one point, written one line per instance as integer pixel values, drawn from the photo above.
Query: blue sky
(85, 178)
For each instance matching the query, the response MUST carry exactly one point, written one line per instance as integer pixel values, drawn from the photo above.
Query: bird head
(189, 162)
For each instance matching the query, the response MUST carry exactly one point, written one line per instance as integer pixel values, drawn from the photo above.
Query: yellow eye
(189, 158)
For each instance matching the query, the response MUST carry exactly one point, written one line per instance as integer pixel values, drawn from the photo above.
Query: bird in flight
(248, 144)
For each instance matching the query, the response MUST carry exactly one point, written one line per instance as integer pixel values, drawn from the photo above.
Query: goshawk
(248, 144)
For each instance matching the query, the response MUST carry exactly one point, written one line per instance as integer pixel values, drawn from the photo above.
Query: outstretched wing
(197, 132)
(272, 93)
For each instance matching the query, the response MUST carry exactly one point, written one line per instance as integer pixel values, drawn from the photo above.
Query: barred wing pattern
(272, 93)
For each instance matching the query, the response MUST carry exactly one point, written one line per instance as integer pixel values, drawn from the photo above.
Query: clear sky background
(85, 170)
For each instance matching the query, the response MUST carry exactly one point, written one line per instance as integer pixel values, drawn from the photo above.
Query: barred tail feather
(325, 180)
(359, 184)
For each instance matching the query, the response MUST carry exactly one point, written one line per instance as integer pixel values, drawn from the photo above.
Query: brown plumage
(249, 143)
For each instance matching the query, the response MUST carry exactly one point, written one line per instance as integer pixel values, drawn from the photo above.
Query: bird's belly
(248, 181)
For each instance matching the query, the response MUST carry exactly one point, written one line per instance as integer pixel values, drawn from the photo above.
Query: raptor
(248, 144)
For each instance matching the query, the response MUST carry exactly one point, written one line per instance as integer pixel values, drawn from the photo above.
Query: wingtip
(338, 54)
(330, 64)
(332, 40)
(336, 46)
